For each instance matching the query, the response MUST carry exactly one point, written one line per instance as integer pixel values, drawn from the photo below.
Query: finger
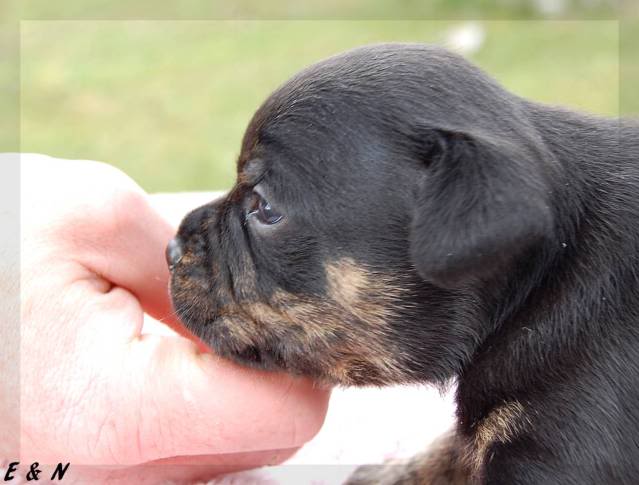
(102, 220)
(213, 406)
(172, 400)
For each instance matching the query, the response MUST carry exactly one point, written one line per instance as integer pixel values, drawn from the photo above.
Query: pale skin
(95, 390)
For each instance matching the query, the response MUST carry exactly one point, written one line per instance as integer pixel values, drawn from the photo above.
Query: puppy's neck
(570, 301)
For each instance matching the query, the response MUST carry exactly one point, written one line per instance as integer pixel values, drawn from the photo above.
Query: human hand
(94, 391)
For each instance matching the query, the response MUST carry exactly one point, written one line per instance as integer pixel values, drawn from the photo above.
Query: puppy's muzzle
(173, 252)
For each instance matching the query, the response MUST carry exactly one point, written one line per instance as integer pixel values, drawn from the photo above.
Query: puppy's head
(376, 192)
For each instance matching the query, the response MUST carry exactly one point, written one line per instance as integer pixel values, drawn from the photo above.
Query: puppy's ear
(480, 201)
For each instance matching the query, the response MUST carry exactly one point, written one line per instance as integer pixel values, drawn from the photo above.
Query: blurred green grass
(322, 9)
(168, 101)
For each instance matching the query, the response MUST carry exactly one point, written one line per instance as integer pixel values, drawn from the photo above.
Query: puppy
(399, 217)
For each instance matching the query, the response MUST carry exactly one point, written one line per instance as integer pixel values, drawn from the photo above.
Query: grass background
(168, 101)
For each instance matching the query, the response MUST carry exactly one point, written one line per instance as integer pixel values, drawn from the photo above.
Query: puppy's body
(568, 353)
(399, 217)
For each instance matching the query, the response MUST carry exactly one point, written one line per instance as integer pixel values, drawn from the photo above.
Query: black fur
(511, 227)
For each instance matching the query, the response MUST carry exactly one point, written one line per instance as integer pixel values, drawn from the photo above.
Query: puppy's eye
(261, 209)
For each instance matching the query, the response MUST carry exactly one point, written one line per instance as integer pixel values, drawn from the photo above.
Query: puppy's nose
(173, 252)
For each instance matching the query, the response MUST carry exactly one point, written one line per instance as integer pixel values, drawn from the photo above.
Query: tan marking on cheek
(346, 282)
(502, 425)
(369, 296)
(316, 323)
(357, 310)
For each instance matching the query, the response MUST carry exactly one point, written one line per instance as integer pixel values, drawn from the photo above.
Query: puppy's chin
(345, 373)
(250, 355)
(329, 360)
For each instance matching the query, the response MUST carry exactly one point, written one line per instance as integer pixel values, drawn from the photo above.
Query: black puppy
(399, 217)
